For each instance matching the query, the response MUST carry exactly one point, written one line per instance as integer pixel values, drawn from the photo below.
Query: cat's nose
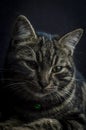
(43, 84)
(43, 79)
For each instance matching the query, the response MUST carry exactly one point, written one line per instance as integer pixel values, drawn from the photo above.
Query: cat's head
(39, 64)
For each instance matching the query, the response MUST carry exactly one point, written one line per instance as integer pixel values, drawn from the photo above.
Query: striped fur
(42, 86)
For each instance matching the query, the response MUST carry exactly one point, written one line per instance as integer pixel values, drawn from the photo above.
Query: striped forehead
(46, 52)
(51, 53)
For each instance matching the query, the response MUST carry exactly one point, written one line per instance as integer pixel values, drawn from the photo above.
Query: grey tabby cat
(41, 88)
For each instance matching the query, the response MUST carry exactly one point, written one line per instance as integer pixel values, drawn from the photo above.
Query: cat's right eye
(57, 69)
(32, 64)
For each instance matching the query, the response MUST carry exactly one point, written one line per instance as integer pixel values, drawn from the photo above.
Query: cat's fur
(41, 87)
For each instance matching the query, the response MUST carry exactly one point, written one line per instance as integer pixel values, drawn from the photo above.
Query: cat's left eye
(57, 69)
(32, 64)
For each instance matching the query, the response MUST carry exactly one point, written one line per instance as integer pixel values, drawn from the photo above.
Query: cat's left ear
(71, 39)
(23, 29)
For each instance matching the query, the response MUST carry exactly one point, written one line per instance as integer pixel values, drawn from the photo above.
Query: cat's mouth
(50, 88)
(44, 92)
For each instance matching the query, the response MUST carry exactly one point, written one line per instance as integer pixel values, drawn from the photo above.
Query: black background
(52, 16)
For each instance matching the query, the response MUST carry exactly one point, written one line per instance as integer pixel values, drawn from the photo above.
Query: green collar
(37, 106)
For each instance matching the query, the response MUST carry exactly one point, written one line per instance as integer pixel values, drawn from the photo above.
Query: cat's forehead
(48, 50)
(48, 46)
(45, 50)
(46, 42)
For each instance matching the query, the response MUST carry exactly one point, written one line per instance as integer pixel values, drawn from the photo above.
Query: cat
(41, 86)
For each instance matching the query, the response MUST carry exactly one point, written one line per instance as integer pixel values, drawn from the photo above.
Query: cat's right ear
(23, 29)
(71, 39)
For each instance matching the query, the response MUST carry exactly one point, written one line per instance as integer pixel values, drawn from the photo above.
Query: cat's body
(42, 90)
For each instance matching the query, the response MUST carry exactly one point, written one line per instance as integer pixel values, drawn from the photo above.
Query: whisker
(19, 83)
(24, 80)
(13, 84)
(75, 79)
(79, 80)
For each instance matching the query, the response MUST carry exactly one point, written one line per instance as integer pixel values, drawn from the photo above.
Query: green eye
(57, 69)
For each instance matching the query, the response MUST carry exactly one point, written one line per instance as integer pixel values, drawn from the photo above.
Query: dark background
(52, 16)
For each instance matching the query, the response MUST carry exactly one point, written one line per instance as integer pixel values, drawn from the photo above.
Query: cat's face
(39, 66)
